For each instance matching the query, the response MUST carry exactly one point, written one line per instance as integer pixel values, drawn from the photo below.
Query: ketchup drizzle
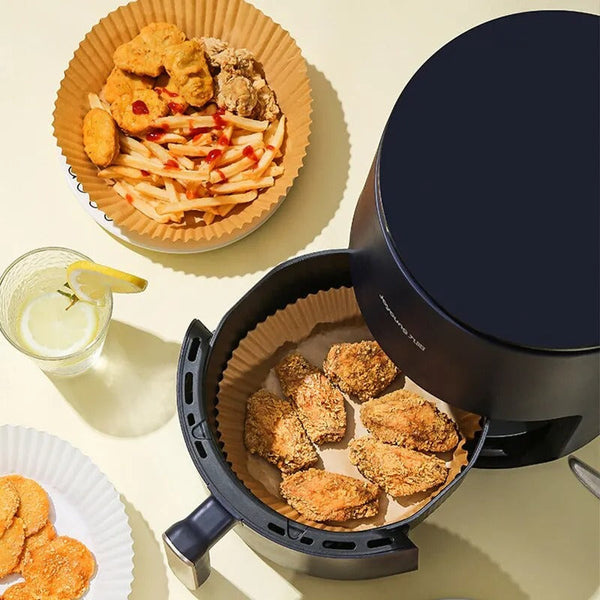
(139, 108)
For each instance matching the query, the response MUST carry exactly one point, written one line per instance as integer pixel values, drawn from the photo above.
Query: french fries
(208, 162)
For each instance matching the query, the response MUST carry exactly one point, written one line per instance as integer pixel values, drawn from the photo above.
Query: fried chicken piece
(235, 93)
(9, 504)
(11, 546)
(143, 55)
(121, 82)
(20, 591)
(34, 506)
(136, 112)
(319, 403)
(399, 471)
(169, 92)
(361, 369)
(100, 137)
(324, 496)
(186, 65)
(407, 419)
(37, 540)
(273, 430)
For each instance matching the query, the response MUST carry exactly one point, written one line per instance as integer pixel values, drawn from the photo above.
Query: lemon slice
(47, 329)
(90, 281)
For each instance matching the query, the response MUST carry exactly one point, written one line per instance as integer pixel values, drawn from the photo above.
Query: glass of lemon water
(39, 318)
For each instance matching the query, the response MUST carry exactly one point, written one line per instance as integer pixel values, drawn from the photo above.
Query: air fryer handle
(187, 542)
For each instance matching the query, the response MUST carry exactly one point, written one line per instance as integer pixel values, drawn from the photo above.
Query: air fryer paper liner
(234, 21)
(310, 326)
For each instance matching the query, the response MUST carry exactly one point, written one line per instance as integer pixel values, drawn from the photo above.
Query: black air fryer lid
(489, 180)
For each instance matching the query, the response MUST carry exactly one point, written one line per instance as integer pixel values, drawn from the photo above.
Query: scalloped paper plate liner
(311, 325)
(234, 21)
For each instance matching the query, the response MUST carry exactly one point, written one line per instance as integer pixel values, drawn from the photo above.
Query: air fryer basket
(337, 554)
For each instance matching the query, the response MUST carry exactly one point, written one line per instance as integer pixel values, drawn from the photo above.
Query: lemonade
(41, 316)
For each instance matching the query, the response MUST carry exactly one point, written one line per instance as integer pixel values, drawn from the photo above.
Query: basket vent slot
(200, 449)
(306, 540)
(336, 545)
(193, 352)
(276, 528)
(191, 419)
(188, 385)
(377, 543)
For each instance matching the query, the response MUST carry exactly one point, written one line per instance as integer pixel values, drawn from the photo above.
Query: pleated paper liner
(311, 325)
(234, 21)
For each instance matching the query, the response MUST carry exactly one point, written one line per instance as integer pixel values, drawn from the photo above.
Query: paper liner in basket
(236, 22)
(311, 325)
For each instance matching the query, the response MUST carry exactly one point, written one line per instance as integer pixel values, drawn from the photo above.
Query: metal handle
(588, 476)
(187, 542)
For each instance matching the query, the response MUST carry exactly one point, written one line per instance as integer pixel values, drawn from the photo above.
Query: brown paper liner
(311, 325)
(234, 21)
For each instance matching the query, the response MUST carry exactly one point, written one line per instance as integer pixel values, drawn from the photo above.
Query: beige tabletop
(505, 535)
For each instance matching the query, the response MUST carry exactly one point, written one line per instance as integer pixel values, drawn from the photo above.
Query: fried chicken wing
(121, 82)
(320, 404)
(143, 55)
(407, 419)
(136, 112)
(100, 137)
(324, 496)
(361, 369)
(273, 430)
(397, 470)
(186, 65)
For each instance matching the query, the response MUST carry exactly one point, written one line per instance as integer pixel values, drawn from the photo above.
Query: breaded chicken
(273, 430)
(143, 55)
(399, 471)
(136, 112)
(323, 496)
(121, 82)
(320, 404)
(361, 369)
(186, 65)
(407, 419)
(169, 92)
(100, 137)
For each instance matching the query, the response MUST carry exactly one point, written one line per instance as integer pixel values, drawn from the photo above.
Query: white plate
(85, 505)
(170, 247)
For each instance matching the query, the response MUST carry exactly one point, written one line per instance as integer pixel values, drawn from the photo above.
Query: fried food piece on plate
(11, 546)
(121, 82)
(273, 430)
(100, 137)
(186, 65)
(319, 403)
(397, 470)
(37, 540)
(165, 87)
(21, 591)
(61, 568)
(136, 112)
(361, 368)
(143, 55)
(34, 507)
(9, 504)
(324, 496)
(405, 418)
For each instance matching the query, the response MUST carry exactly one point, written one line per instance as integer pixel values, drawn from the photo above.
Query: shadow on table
(149, 571)
(309, 206)
(130, 391)
(218, 587)
(449, 567)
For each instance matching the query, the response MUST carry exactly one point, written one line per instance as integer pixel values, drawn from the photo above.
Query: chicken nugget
(9, 504)
(273, 430)
(34, 507)
(167, 89)
(399, 471)
(37, 540)
(319, 403)
(11, 546)
(186, 65)
(61, 568)
(361, 369)
(100, 137)
(143, 55)
(121, 82)
(20, 591)
(136, 112)
(407, 419)
(324, 496)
